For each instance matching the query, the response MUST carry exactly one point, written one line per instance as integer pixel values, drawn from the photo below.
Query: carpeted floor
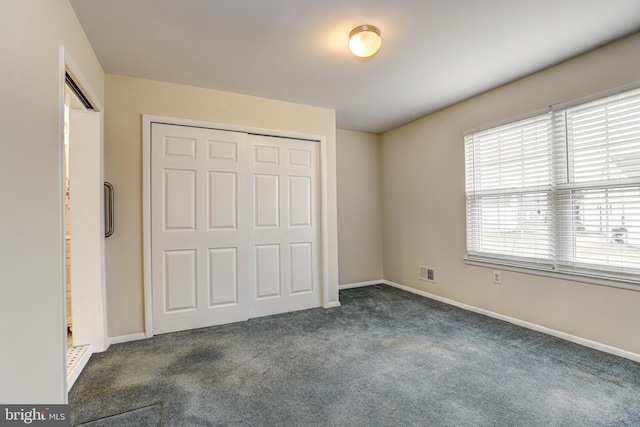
(385, 358)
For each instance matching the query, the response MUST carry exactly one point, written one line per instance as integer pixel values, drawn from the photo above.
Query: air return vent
(427, 273)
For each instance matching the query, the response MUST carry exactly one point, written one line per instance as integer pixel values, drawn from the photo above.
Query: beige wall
(32, 330)
(424, 205)
(126, 100)
(359, 207)
(423, 189)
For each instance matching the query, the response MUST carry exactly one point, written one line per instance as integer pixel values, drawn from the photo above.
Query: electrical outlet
(427, 273)
(497, 277)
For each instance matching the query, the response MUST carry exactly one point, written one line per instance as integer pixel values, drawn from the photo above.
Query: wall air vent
(427, 273)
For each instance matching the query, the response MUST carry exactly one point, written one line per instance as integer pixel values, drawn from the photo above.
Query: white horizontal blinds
(514, 156)
(509, 177)
(599, 230)
(603, 139)
(598, 184)
(562, 189)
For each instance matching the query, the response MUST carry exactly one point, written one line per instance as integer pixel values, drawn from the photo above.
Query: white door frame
(93, 316)
(147, 121)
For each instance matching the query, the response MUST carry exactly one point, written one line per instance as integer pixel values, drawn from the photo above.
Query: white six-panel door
(234, 221)
(284, 235)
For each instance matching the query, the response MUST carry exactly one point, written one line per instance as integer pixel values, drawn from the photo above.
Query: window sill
(632, 285)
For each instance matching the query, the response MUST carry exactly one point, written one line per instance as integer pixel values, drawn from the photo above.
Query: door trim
(147, 121)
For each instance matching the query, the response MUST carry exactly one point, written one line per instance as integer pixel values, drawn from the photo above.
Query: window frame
(559, 266)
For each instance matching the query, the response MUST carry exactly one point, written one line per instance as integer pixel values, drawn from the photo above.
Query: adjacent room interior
(291, 180)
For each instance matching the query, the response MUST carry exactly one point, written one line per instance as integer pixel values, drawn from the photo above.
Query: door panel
(267, 271)
(223, 276)
(300, 158)
(267, 200)
(223, 150)
(180, 199)
(300, 201)
(87, 242)
(267, 155)
(222, 200)
(180, 280)
(301, 267)
(180, 147)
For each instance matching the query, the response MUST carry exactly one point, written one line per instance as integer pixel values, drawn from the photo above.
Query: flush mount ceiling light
(365, 41)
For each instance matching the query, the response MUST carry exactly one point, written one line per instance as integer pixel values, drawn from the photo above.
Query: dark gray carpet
(385, 358)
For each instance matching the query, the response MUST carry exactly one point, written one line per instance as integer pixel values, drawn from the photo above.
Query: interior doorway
(82, 170)
(71, 102)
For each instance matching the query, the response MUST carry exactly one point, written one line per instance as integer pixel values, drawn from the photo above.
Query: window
(560, 190)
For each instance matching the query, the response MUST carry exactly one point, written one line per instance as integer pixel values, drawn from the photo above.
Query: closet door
(285, 230)
(199, 217)
(235, 226)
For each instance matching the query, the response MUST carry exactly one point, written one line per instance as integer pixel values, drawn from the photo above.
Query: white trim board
(558, 334)
(361, 284)
(127, 338)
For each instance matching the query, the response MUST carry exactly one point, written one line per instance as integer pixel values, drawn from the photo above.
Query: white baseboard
(360, 284)
(126, 338)
(558, 334)
(545, 330)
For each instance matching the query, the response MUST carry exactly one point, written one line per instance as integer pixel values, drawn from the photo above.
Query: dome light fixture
(365, 41)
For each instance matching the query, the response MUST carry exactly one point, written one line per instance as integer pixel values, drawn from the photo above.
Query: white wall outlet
(427, 273)
(497, 277)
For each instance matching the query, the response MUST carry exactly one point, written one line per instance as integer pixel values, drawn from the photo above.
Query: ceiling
(435, 53)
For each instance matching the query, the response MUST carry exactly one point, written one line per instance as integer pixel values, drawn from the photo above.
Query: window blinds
(598, 188)
(509, 179)
(559, 190)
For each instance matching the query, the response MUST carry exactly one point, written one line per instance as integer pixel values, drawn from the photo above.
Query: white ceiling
(434, 53)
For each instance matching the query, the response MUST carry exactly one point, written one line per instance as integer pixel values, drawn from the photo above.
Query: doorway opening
(76, 101)
(82, 218)
(72, 101)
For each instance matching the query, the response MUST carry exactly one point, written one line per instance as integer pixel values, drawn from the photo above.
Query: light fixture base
(362, 28)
